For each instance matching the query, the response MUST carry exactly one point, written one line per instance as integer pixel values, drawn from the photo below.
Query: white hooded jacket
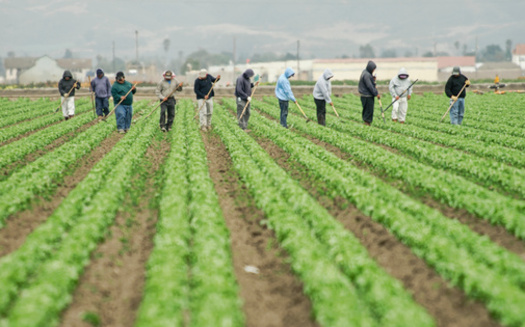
(323, 87)
(398, 85)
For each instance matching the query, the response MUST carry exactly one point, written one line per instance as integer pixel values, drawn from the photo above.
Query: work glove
(256, 78)
(332, 104)
(249, 99)
(467, 82)
(454, 98)
(409, 96)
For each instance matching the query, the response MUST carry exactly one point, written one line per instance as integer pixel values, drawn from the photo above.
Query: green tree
(366, 51)
(492, 52)
(389, 53)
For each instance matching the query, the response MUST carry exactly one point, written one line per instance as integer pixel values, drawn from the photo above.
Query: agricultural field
(420, 224)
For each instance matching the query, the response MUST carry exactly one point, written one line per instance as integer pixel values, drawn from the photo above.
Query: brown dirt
(112, 285)
(21, 224)
(448, 305)
(497, 234)
(275, 296)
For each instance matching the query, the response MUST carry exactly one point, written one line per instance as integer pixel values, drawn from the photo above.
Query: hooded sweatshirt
(367, 85)
(64, 86)
(101, 86)
(283, 90)
(243, 86)
(455, 84)
(323, 87)
(399, 85)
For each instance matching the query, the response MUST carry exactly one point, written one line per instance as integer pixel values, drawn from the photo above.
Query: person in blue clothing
(102, 89)
(283, 92)
(367, 90)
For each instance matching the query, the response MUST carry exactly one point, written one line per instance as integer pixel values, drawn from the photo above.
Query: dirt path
(21, 224)
(448, 305)
(497, 234)
(274, 297)
(110, 289)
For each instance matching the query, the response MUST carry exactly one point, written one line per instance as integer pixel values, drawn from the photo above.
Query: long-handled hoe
(67, 95)
(452, 104)
(171, 93)
(305, 117)
(333, 107)
(248, 102)
(92, 100)
(400, 96)
(121, 99)
(382, 111)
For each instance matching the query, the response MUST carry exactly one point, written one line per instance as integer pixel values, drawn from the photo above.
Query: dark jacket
(243, 86)
(367, 85)
(64, 86)
(119, 90)
(203, 86)
(454, 85)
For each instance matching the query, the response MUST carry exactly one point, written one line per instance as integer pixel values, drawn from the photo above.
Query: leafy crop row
(48, 292)
(16, 267)
(19, 129)
(485, 171)
(352, 101)
(40, 176)
(482, 269)
(196, 219)
(296, 217)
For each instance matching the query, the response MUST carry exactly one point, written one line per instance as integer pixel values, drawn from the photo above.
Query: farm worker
(243, 92)
(124, 112)
(322, 92)
(203, 90)
(66, 87)
(102, 89)
(367, 90)
(397, 87)
(165, 93)
(283, 92)
(454, 84)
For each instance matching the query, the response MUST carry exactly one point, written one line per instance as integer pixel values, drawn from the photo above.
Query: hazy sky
(325, 28)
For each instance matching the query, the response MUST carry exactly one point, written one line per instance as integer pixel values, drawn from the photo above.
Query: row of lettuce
(190, 278)
(484, 270)
(38, 278)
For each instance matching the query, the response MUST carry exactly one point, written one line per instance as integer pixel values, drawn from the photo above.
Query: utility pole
(298, 67)
(114, 67)
(137, 46)
(234, 49)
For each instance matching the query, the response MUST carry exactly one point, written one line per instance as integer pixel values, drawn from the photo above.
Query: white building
(29, 70)
(518, 55)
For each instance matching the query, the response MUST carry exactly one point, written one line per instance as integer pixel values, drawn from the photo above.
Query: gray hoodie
(323, 87)
(398, 85)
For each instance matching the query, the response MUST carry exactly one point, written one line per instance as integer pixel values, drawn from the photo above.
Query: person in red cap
(166, 93)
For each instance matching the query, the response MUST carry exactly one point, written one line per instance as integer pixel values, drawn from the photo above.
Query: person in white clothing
(66, 87)
(397, 87)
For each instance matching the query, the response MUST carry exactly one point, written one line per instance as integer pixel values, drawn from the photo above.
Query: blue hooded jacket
(283, 90)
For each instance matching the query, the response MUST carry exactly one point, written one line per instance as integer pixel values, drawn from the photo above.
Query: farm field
(420, 224)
